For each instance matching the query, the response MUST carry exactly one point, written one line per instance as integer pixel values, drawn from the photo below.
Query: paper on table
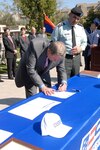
(34, 108)
(63, 94)
(4, 135)
(16, 146)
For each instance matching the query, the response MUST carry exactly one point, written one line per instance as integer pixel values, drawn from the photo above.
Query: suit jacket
(9, 47)
(43, 35)
(92, 38)
(31, 69)
(31, 36)
(23, 44)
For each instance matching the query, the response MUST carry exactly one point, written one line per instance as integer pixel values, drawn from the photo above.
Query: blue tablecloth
(80, 111)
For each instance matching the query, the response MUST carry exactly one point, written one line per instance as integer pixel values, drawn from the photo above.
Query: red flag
(49, 25)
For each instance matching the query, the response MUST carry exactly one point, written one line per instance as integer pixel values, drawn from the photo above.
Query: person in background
(32, 34)
(10, 53)
(23, 41)
(1, 79)
(99, 42)
(34, 67)
(73, 35)
(0, 63)
(15, 36)
(93, 35)
(43, 33)
(2, 50)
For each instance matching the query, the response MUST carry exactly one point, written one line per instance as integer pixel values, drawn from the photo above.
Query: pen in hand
(62, 87)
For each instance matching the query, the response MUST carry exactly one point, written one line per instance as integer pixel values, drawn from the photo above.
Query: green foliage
(60, 16)
(90, 17)
(3, 68)
(34, 10)
(8, 20)
(6, 14)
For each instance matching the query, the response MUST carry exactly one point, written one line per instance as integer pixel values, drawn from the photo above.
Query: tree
(34, 10)
(91, 16)
(6, 14)
(8, 20)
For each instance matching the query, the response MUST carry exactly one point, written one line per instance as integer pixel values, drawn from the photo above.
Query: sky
(72, 3)
(63, 3)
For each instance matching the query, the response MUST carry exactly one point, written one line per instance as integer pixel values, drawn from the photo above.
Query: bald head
(33, 30)
(57, 48)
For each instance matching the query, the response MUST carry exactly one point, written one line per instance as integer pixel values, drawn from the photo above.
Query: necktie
(46, 62)
(24, 38)
(10, 38)
(73, 37)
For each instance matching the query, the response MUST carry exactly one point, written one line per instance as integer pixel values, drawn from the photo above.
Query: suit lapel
(50, 66)
(10, 41)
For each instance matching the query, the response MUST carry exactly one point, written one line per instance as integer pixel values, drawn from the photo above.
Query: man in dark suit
(33, 70)
(23, 41)
(43, 33)
(32, 34)
(10, 53)
(0, 56)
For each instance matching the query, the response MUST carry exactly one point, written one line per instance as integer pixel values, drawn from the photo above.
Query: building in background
(87, 6)
(84, 6)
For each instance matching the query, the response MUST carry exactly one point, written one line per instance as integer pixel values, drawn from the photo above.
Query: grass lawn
(3, 67)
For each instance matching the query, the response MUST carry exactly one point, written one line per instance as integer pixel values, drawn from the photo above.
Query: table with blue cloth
(80, 111)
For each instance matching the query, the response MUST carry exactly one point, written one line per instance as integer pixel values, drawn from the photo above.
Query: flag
(48, 24)
(91, 140)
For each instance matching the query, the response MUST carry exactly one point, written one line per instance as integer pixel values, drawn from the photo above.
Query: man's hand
(93, 45)
(15, 51)
(76, 50)
(62, 87)
(47, 91)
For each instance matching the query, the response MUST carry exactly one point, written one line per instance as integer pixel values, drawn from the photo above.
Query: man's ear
(49, 51)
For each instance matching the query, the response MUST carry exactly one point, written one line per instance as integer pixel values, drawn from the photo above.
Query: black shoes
(11, 78)
(1, 81)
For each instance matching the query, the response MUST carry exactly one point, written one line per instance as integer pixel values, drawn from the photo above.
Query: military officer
(93, 35)
(75, 41)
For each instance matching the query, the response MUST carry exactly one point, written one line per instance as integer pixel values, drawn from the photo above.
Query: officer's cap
(77, 11)
(96, 21)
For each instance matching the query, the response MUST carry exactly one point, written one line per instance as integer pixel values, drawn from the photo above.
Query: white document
(4, 135)
(15, 146)
(62, 94)
(34, 108)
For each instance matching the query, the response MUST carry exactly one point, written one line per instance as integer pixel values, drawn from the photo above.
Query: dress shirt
(10, 38)
(63, 33)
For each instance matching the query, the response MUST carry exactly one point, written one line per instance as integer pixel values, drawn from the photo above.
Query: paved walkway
(10, 94)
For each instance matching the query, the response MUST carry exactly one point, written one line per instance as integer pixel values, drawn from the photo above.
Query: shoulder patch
(80, 24)
(60, 24)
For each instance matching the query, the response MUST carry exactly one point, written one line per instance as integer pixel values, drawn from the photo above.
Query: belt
(70, 56)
